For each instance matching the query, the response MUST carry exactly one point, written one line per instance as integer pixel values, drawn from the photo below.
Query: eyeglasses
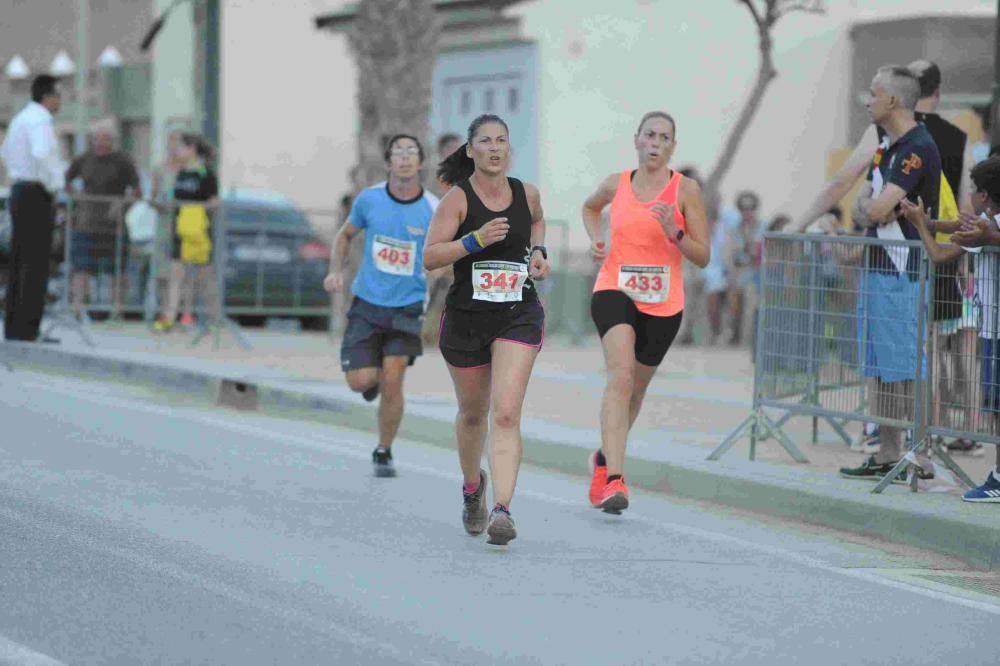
(399, 152)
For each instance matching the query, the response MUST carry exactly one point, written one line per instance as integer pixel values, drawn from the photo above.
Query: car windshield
(246, 213)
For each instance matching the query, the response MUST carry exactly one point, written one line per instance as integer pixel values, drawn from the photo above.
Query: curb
(938, 523)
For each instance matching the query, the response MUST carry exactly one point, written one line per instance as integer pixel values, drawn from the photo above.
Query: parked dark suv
(275, 263)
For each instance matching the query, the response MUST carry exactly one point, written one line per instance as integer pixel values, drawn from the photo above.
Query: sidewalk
(698, 397)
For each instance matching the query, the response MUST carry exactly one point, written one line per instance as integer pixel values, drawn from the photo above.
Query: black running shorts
(374, 332)
(653, 335)
(466, 337)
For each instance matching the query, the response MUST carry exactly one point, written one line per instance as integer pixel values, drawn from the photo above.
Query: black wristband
(541, 248)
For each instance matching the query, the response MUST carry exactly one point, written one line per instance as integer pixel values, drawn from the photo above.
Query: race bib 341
(498, 281)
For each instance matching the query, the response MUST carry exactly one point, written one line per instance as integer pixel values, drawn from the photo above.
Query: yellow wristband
(479, 239)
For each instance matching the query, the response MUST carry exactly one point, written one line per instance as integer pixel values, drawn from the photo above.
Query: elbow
(431, 261)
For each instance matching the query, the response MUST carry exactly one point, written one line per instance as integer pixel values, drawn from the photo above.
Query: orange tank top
(642, 262)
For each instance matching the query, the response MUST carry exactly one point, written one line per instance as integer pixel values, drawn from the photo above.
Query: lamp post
(995, 104)
(82, 75)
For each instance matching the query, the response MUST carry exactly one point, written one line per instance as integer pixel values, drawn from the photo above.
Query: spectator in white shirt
(34, 164)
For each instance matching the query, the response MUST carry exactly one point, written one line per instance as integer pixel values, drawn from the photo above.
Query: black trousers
(32, 212)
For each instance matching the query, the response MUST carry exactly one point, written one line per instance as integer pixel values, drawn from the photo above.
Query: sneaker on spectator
(988, 492)
(187, 320)
(966, 447)
(869, 470)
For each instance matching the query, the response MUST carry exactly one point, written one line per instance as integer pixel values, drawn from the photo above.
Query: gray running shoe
(501, 530)
(474, 513)
(382, 460)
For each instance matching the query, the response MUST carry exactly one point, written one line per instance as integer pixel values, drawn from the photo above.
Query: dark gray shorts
(374, 332)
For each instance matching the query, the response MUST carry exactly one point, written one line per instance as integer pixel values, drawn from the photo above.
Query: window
(513, 99)
(466, 103)
(489, 99)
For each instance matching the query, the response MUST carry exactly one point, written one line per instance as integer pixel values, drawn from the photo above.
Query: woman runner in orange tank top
(657, 220)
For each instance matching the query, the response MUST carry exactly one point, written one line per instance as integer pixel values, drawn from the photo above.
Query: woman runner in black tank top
(475, 286)
(491, 228)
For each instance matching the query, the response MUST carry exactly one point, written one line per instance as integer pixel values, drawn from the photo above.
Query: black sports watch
(541, 248)
(680, 235)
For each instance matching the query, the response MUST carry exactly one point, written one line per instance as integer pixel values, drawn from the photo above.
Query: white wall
(288, 120)
(288, 107)
(603, 64)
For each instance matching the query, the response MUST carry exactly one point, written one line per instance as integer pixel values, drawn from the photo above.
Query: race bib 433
(645, 284)
(394, 256)
(498, 281)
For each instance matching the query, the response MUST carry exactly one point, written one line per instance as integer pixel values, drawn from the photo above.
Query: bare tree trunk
(765, 19)
(395, 43)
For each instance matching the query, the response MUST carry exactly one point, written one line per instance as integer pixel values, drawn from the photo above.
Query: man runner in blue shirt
(382, 336)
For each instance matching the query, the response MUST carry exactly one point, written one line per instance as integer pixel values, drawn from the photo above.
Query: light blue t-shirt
(392, 271)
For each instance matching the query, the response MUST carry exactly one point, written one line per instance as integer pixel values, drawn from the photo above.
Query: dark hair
(396, 137)
(458, 166)
(928, 76)
(445, 139)
(779, 222)
(903, 83)
(42, 86)
(745, 197)
(198, 142)
(690, 172)
(986, 178)
(658, 114)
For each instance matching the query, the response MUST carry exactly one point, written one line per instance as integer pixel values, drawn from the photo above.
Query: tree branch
(766, 73)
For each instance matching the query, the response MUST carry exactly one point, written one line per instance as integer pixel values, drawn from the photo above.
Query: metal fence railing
(124, 257)
(855, 329)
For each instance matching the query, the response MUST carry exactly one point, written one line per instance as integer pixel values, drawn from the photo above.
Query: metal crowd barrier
(826, 324)
(268, 260)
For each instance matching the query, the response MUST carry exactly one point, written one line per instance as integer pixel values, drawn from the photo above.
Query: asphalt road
(142, 529)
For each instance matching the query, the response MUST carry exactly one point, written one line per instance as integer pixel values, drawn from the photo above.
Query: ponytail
(456, 167)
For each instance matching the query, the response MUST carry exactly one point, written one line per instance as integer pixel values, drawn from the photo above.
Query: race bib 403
(645, 284)
(498, 281)
(394, 256)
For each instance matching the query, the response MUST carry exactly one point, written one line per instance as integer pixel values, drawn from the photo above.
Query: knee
(505, 418)
(360, 381)
(392, 387)
(472, 418)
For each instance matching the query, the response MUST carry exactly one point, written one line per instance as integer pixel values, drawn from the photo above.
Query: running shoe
(501, 529)
(474, 512)
(370, 394)
(598, 479)
(614, 499)
(162, 325)
(187, 320)
(870, 470)
(967, 447)
(382, 459)
(988, 492)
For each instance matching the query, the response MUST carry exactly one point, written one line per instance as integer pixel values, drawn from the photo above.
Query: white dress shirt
(31, 150)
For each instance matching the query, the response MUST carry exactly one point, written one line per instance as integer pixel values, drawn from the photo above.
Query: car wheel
(315, 323)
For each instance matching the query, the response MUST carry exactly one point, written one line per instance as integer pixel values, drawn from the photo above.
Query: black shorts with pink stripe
(466, 338)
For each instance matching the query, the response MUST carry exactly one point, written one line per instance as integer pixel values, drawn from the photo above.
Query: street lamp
(17, 69)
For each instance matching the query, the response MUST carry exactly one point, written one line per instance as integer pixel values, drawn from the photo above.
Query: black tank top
(497, 277)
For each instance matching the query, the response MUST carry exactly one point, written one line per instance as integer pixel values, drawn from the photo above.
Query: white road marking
(15, 654)
(296, 441)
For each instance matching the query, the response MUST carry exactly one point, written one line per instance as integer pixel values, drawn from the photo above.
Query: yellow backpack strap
(947, 208)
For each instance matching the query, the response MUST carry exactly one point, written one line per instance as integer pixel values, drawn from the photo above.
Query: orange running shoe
(614, 499)
(598, 479)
